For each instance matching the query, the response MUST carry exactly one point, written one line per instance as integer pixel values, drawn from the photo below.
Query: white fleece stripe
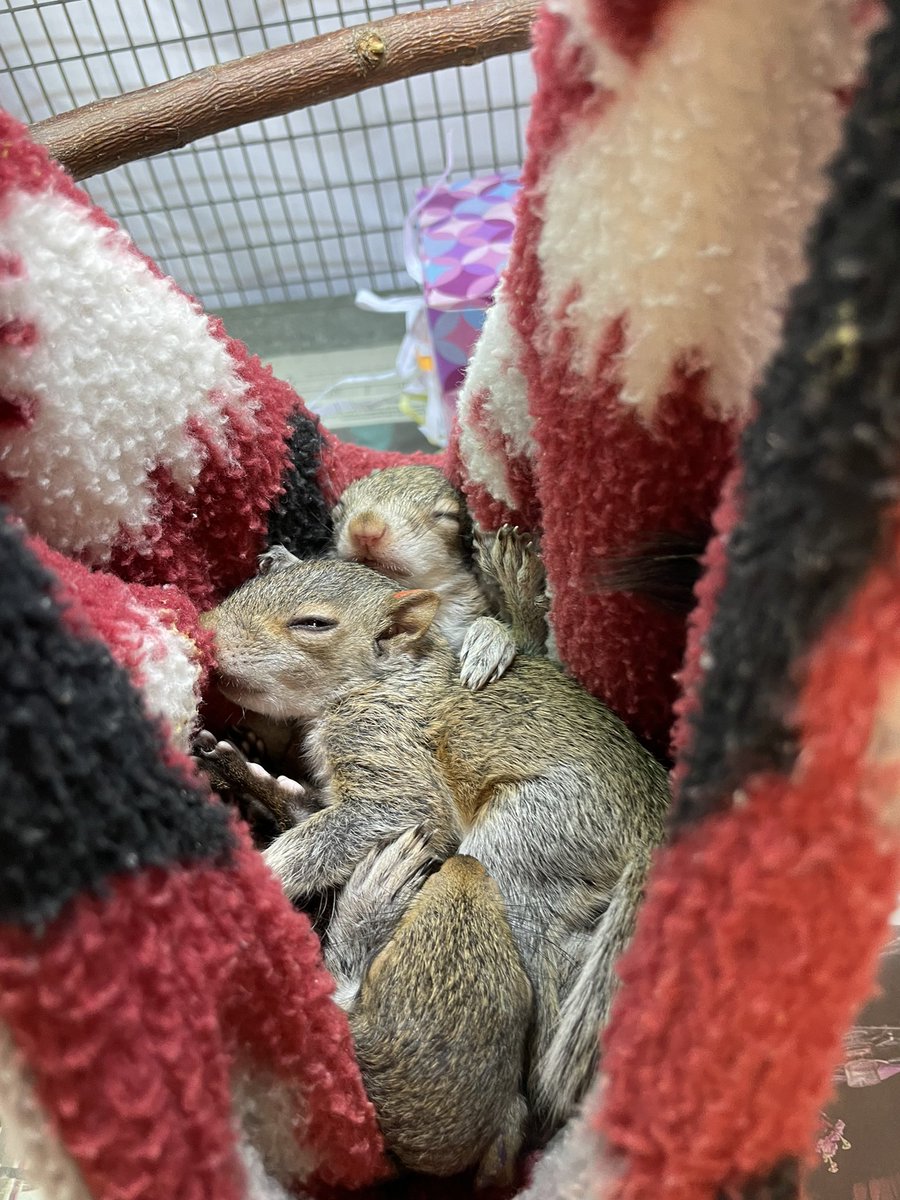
(576, 1165)
(607, 69)
(684, 206)
(122, 362)
(495, 370)
(496, 363)
(271, 1118)
(167, 670)
(27, 1135)
(602, 66)
(258, 1184)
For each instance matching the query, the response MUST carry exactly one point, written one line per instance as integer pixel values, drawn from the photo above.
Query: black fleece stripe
(84, 790)
(819, 461)
(300, 519)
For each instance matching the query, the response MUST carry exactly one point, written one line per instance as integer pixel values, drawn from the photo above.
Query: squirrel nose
(367, 532)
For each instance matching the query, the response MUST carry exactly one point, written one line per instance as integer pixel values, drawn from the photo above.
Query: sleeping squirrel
(439, 1004)
(531, 777)
(412, 525)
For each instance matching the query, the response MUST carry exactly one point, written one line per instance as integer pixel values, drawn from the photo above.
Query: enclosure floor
(316, 344)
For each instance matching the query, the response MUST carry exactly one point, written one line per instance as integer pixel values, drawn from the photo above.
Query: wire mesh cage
(299, 207)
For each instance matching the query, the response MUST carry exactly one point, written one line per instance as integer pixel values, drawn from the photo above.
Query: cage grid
(298, 207)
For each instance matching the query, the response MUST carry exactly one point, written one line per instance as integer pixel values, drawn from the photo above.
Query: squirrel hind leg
(499, 1162)
(370, 907)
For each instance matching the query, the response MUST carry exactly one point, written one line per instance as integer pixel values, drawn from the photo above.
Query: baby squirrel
(412, 525)
(439, 1005)
(532, 777)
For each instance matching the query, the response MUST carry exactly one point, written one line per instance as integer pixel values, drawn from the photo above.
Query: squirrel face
(301, 633)
(408, 523)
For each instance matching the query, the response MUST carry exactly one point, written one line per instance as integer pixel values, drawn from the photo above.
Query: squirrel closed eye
(530, 777)
(411, 525)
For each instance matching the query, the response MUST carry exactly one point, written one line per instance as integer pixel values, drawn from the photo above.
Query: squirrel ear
(412, 614)
(276, 558)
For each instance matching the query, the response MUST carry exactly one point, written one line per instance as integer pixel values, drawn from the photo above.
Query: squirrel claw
(486, 653)
(203, 743)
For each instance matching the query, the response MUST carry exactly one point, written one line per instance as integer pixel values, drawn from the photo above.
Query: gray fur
(532, 777)
(568, 1066)
(424, 546)
(439, 1006)
(370, 907)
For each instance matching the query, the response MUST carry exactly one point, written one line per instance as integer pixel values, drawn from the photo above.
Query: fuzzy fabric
(300, 518)
(166, 1027)
(155, 984)
(760, 933)
(818, 465)
(163, 462)
(166, 1022)
(659, 229)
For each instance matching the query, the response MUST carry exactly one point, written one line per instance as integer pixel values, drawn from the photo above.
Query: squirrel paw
(517, 565)
(392, 875)
(512, 560)
(223, 763)
(249, 743)
(228, 770)
(510, 556)
(486, 654)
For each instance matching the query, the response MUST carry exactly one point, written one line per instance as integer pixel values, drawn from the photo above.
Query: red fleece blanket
(165, 1022)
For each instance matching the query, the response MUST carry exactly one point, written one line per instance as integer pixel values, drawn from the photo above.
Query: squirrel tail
(569, 1065)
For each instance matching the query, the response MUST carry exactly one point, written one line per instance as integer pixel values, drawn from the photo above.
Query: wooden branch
(138, 124)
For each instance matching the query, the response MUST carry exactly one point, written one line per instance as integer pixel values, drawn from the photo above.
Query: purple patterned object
(465, 231)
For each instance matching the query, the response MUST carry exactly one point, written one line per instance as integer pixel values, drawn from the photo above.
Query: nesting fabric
(675, 159)
(166, 1026)
(165, 1022)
